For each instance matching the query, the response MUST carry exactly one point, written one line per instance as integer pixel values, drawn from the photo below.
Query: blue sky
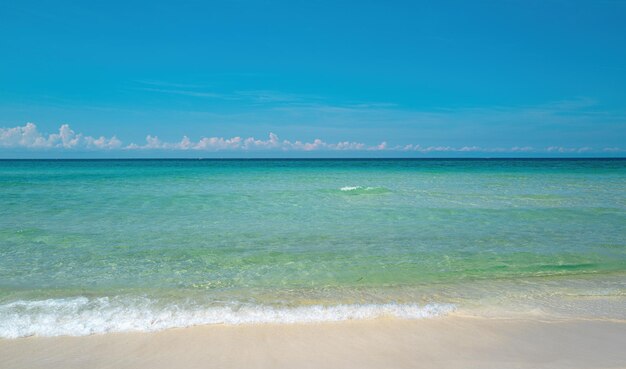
(269, 78)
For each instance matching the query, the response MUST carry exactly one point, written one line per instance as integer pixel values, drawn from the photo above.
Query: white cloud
(273, 142)
(613, 149)
(561, 149)
(29, 137)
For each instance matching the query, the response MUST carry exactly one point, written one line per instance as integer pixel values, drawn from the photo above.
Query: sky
(312, 78)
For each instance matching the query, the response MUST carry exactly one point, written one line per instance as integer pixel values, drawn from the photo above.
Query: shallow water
(97, 246)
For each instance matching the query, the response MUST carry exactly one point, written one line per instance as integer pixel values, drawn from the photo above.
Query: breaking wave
(363, 190)
(80, 316)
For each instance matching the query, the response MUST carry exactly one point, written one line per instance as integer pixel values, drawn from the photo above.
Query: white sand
(450, 342)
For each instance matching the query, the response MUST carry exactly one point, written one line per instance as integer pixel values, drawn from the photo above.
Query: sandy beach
(449, 342)
(312, 184)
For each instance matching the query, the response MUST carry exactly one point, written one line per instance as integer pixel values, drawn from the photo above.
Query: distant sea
(95, 246)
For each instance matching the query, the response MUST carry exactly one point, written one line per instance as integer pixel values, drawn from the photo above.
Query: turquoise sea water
(99, 246)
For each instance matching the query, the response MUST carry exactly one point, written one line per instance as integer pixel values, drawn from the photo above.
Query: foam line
(81, 316)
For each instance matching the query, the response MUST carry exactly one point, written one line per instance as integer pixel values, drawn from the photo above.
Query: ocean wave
(363, 189)
(80, 316)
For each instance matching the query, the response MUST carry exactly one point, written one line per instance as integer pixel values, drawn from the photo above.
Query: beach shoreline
(444, 342)
(511, 263)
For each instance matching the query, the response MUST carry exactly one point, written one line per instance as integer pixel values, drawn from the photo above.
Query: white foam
(350, 188)
(363, 189)
(357, 188)
(81, 316)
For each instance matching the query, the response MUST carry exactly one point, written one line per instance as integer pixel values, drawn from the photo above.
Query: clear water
(98, 246)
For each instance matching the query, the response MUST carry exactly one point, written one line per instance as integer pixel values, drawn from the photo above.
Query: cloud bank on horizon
(253, 78)
(30, 138)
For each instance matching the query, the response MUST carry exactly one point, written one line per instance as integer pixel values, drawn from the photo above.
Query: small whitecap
(349, 188)
(354, 190)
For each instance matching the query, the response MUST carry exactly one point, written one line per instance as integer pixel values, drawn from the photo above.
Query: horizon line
(330, 158)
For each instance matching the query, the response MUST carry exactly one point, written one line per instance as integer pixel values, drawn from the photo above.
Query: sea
(99, 246)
